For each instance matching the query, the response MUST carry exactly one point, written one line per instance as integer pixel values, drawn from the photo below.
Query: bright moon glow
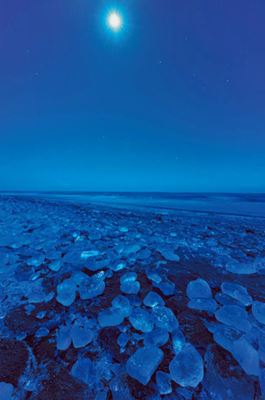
(114, 21)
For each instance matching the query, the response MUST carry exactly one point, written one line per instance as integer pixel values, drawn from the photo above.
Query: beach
(103, 302)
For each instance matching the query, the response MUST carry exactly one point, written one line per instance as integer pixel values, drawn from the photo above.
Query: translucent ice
(246, 356)
(208, 305)
(6, 390)
(123, 339)
(225, 336)
(186, 368)
(166, 286)
(237, 267)
(84, 370)
(81, 334)
(199, 289)
(153, 299)
(128, 277)
(89, 253)
(130, 287)
(122, 304)
(237, 292)
(154, 276)
(55, 265)
(158, 337)
(92, 287)
(141, 320)
(165, 318)
(258, 310)
(143, 363)
(110, 317)
(234, 316)
(66, 292)
(63, 338)
(163, 382)
(178, 341)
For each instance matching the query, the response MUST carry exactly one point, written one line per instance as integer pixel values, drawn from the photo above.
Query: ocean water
(247, 204)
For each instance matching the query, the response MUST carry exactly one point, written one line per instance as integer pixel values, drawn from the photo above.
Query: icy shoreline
(79, 317)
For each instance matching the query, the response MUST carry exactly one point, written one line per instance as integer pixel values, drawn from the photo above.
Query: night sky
(173, 101)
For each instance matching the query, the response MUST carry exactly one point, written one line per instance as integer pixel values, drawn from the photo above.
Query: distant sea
(224, 203)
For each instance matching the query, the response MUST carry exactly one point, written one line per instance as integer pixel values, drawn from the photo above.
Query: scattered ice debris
(143, 363)
(66, 292)
(6, 391)
(199, 289)
(237, 292)
(234, 316)
(258, 310)
(163, 382)
(152, 299)
(165, 318)
(186, 368)
(50, 250)
(110, 317)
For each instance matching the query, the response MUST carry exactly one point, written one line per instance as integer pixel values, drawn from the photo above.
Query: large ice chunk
(66, 292)
(141, 320)
(143, 363)
(237, 292)
(258, 310)
(153, 299)
(186, 368)
(165, 318)
(234, 316)
(199, 289)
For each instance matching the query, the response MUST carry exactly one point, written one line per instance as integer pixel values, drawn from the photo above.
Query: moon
(114, 21)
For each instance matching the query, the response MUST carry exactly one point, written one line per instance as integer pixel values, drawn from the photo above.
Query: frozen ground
(104, 303)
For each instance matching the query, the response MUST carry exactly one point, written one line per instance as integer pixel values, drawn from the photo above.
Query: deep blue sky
(174, 102)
